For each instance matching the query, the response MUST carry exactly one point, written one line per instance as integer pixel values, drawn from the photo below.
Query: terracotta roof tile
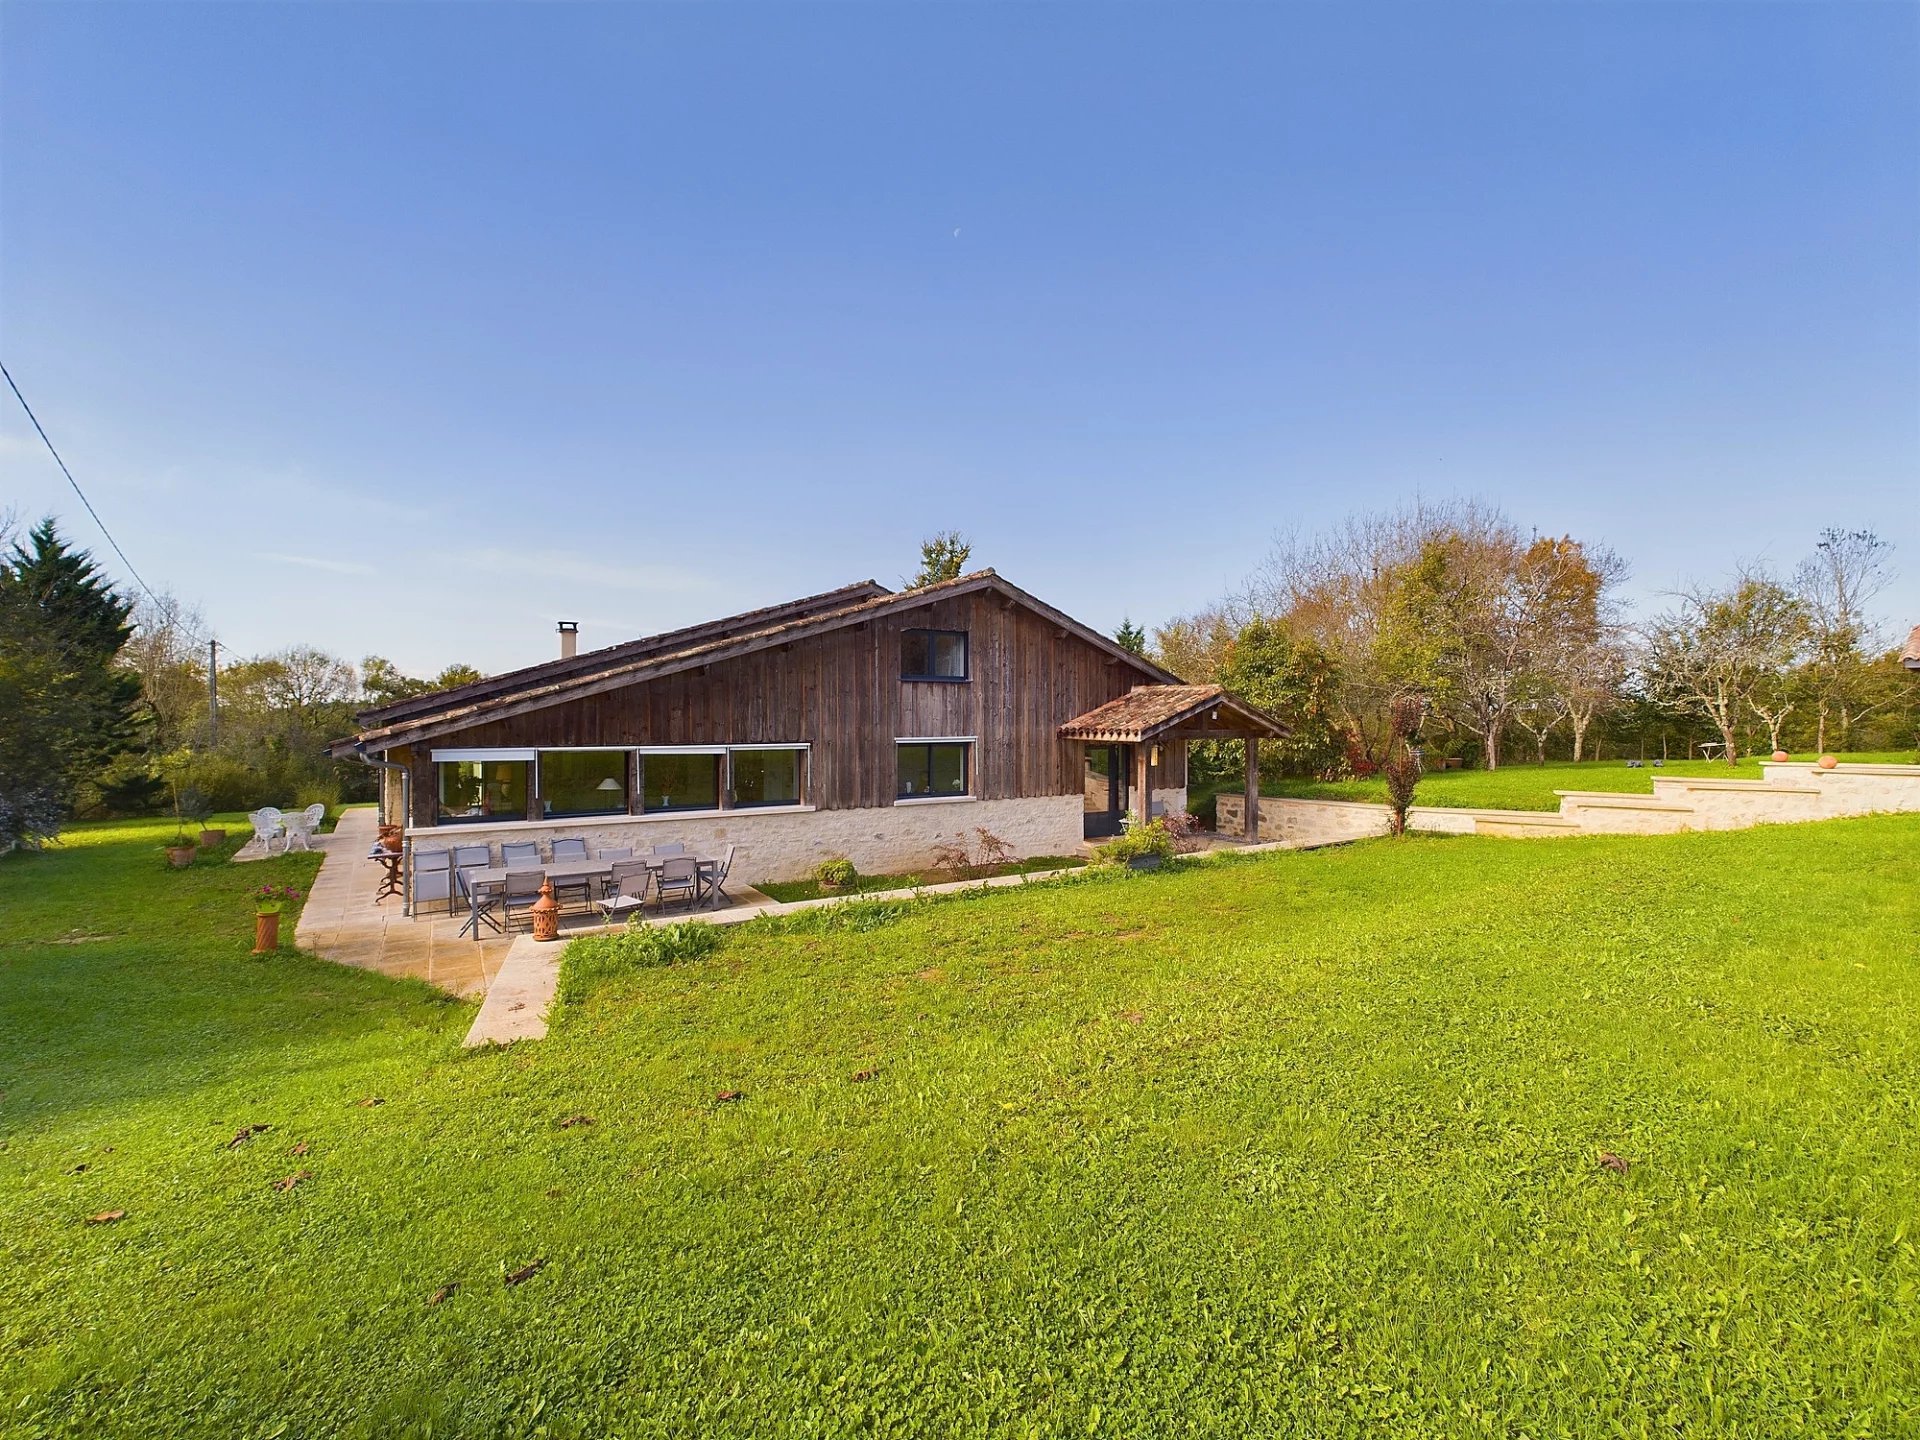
(1147, 710)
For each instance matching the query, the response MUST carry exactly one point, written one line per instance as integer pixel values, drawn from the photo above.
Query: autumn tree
(1296, 680)
(1195, 646)
(1723, 654)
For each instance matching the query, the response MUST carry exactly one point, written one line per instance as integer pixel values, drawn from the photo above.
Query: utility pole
(213, 692)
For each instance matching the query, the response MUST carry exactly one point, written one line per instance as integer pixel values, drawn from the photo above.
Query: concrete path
(520, 995)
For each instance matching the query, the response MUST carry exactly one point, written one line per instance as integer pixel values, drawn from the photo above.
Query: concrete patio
(341, 921)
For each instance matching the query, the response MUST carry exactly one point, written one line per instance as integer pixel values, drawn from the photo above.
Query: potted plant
(195, 810)
(268, 901)
(181, 850)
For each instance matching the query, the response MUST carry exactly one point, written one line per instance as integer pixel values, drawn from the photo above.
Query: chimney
(569, 639)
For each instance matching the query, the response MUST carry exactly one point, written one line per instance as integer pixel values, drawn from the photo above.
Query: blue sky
(413, 329)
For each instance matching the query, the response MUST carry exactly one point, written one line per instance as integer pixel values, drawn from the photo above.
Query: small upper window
(933, 655)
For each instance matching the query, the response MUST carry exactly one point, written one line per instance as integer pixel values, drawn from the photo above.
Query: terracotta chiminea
(546, 914)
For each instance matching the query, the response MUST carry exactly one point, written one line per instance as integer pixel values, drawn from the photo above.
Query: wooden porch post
(1253, 788)
(1142, 783)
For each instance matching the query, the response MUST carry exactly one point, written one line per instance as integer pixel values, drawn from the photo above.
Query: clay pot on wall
(1781, 757)
(1827, 762)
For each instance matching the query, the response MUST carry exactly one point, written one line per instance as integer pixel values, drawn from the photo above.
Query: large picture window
(478, 790)
(768, 777)
(933, 768)
(933, 655)
(680, 782)
(583, 782)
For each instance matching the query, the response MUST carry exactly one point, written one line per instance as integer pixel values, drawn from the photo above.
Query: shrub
(1152, 838)
(1181, 828)
(594, 959)
(835, 873)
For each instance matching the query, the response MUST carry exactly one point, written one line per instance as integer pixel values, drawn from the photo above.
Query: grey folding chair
(480, 902)
(466, 858)
(517, 895)
(717, 881)
(626, 890)
(567, 850)
(679, 876)
(519, 854)
(671, 847)
(618, 852)
(428, 864)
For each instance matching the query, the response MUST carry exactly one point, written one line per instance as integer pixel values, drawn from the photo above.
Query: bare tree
(1837, 584)
(1540, 714)
(1590, 678)
(1719, 653)
(165, 652)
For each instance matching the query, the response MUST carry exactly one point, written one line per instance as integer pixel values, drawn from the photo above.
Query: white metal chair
(266, 826)
(299, 826)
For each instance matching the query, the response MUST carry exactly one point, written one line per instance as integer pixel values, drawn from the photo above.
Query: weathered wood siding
(842, 693)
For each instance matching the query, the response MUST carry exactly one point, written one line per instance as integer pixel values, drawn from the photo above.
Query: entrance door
(1104, 789)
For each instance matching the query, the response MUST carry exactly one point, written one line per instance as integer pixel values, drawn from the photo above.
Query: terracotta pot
(181, 856)
(266, 933)
(546, 914)
(210, 838)
(1827, 762)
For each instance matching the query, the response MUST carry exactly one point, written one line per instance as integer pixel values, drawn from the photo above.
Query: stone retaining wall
(1787, 794)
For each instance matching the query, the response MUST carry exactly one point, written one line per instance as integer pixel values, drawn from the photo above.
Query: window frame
(966, 656)
(965, 744)
(721, 775)
(805, 752)
(477, 756)
(625, 752)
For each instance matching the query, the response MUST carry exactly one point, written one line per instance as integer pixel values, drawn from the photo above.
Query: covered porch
(1134, 749)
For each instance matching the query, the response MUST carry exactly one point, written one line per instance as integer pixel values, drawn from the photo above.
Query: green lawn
(1521, 786)
(1298, 1144)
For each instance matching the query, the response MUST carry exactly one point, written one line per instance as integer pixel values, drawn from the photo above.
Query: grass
(1516, 786)
(1291, 1144)
(786, 892)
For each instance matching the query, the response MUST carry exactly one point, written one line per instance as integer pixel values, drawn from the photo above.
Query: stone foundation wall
(787, 844)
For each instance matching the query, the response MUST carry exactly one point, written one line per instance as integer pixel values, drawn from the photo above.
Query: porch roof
(1197, 712)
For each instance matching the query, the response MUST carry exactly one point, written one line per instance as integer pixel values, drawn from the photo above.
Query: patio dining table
(489, 877)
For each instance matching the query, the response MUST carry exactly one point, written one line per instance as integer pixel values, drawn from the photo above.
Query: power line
(76, 487)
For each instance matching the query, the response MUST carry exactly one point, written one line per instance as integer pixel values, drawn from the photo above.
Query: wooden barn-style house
(859, 722)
